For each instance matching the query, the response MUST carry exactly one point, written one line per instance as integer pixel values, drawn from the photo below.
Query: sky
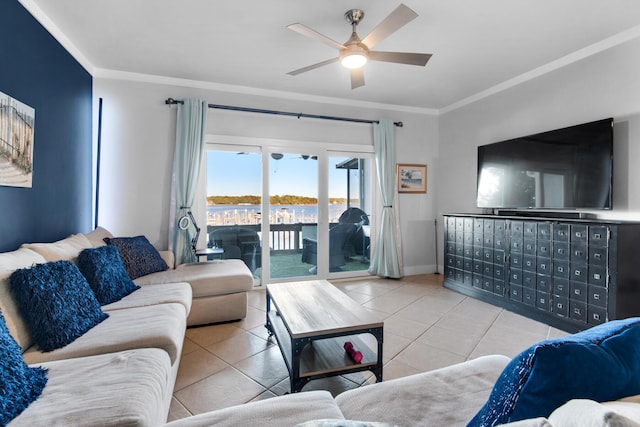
(233, 174)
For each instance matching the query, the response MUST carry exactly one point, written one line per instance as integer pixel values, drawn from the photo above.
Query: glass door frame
(370, 178)
(323, 150)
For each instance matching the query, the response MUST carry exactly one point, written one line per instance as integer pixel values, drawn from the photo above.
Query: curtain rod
(171, 101)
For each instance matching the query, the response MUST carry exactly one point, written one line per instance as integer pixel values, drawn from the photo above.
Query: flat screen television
(568, 168)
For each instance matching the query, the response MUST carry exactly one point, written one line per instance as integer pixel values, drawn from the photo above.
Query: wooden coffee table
(311, 322)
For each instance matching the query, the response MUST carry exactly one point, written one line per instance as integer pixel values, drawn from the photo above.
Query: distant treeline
(286, 199)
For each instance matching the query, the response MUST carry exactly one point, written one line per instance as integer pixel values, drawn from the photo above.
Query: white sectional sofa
(123, 370)
(219, 287)
(447, 397)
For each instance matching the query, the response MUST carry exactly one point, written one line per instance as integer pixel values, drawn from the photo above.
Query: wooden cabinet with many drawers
(571, 274)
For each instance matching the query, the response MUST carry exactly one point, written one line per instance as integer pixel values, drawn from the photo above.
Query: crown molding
(57, 34)
(569, 59)
(578, 55)
(248, 90)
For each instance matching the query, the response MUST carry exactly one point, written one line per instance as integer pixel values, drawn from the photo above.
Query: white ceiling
(478, 46)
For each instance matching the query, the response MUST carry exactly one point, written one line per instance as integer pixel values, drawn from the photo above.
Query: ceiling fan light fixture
(354, 60)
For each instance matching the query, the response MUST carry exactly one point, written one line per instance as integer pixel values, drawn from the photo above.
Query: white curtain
(385, 258)
(187, 161)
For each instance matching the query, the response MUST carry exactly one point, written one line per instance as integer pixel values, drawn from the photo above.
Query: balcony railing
(283, 238)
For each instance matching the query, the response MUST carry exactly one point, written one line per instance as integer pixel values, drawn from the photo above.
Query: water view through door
(293, 214)
(281, 235)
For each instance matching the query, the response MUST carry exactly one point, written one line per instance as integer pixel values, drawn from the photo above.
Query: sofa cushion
(56, 302)
(160, 326)
(138, 255)
(552, 372)
(127, 388)
(20, 384)
(105, 273)
(65, 249)
(164, 293)
(588, 413)
(97, 236)
(343, 423)
(10, 262)
(278, 411)
(428, 399)
(207, 278)
(530, 422)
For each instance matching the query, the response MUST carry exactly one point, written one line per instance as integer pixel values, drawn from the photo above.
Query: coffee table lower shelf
(321, 356)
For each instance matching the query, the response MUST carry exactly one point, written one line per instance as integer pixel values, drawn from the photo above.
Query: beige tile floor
(425, 327)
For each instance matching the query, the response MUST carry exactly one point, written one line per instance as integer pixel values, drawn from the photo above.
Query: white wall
(604, 85)
(138, 136)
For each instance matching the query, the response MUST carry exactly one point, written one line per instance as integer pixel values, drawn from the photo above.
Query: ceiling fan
(355, 52)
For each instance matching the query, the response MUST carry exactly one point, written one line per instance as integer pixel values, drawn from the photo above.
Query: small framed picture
(411, 178)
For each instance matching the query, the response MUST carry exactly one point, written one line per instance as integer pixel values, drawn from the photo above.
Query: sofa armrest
(168, 257)
(448, 396)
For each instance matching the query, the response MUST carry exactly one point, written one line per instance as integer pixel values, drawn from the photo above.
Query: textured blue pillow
(19, 384)
(105, 273)
(600, 364)
(138, 255)
(55, 302)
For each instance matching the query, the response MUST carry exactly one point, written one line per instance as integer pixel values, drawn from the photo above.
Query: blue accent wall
(36, 70)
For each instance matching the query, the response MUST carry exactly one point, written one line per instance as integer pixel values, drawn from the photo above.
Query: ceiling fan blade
(357, 78)
(401, 57)
(397, 19)
(313, 67)
(306, 31)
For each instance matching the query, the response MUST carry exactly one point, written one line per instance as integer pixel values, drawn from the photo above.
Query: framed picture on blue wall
(17, 124)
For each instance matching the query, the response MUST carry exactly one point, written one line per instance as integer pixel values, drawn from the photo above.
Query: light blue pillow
(601, 364)
(19, 384)
(56, 303)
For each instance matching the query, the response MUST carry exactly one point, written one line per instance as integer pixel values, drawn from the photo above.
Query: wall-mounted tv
(568, 168)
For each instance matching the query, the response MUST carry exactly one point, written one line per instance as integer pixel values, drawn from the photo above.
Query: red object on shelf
(355, 355)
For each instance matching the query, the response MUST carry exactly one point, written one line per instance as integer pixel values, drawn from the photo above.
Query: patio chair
(339, 235)
(359, 243)
(238, 243)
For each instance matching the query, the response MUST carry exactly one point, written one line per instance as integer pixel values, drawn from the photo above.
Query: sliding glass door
(234, 206)
(349, 207)
(293, 215)
(289, 215)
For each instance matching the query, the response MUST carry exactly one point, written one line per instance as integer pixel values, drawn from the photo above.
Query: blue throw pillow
(55, 302)
(105, 273)
(138, 255)
(19, 384)
(600, 364)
